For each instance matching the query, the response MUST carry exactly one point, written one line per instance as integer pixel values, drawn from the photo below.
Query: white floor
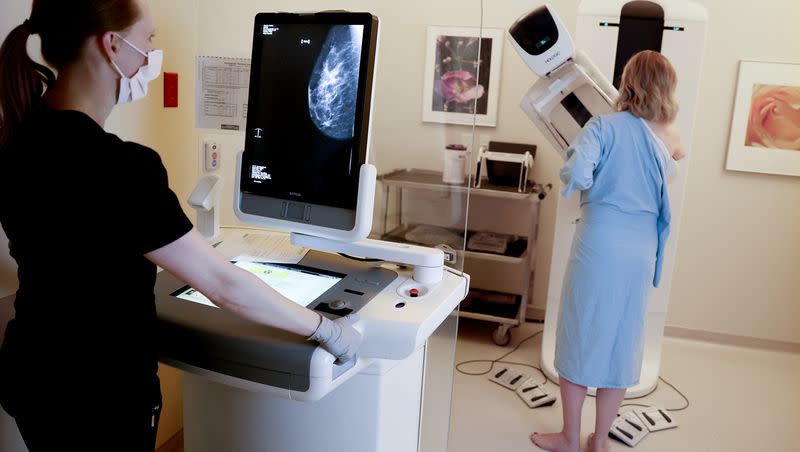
(742, 399)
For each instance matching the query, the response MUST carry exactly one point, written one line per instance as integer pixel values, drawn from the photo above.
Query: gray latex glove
(338, 337)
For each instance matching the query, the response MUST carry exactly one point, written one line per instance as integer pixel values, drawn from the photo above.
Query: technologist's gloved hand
(338, 337)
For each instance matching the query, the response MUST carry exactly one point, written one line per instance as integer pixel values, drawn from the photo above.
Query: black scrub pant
(88, 418)
(93, 423)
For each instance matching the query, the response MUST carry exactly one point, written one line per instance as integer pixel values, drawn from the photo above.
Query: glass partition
(436, 95)
(453, 151)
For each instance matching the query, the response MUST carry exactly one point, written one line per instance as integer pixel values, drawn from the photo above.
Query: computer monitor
(308, 118)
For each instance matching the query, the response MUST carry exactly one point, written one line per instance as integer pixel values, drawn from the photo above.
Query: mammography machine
(571, 89)
(304, 170)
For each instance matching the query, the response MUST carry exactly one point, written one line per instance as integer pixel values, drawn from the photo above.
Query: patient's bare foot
(605, 447)
(555, 442)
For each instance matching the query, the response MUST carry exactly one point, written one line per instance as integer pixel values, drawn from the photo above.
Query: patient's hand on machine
(675, 144)
(338, 337)
(670, 137)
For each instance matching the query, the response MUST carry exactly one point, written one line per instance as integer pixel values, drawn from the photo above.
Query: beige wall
(738, 257)
(739, 250)
(400, 139)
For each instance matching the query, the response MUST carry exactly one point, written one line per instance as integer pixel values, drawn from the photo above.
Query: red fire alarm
(170, 89)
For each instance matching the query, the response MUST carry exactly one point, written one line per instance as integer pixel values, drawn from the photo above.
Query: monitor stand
(427, 263)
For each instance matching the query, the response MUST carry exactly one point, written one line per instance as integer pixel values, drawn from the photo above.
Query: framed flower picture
(765, 131)
(462, 75)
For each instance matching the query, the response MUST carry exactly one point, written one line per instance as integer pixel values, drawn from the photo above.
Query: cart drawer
(498, 273)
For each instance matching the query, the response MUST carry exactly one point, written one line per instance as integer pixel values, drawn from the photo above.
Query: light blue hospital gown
(620, 167)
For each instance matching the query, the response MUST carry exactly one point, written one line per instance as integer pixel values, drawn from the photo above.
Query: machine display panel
(300, 284)
(576, 109)
(308, 107)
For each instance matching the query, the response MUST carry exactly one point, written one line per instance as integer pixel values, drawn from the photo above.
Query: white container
(455, 164)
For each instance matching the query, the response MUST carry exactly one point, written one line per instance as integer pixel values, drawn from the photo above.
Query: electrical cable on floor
(686, 399)
(499, 360)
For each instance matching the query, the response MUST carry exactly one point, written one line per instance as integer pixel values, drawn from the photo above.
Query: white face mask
(135, 88)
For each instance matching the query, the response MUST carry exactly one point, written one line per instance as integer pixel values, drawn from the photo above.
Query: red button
(414, 293)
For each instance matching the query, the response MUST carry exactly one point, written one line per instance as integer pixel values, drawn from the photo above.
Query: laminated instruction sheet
(222, 89)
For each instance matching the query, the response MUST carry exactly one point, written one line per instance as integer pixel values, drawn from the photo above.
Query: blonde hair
(647, 88)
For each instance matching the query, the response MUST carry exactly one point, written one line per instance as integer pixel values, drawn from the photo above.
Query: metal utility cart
(419, 208)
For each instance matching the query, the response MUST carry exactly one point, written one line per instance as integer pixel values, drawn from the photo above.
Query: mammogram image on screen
(303, 142)
(333, 88)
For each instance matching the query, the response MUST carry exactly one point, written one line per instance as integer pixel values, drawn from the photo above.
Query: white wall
(739, 253)
(400, 138)
(738, 250)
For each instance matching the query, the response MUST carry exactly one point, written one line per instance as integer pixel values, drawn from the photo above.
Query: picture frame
(462, 75)
(765, 132)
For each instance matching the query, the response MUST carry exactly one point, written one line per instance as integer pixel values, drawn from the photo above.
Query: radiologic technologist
(88, 217)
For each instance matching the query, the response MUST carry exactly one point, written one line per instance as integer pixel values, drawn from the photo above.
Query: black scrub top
(81, 207)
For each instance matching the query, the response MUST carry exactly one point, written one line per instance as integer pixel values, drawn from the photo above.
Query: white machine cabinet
(419, 208)
(252, 388)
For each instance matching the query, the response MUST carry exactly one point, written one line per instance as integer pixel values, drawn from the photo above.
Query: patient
(620, 164)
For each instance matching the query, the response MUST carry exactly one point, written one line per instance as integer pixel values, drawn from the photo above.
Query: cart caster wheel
(502, 335)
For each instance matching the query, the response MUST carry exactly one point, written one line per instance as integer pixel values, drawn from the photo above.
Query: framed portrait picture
(765, 130)
(462, 75)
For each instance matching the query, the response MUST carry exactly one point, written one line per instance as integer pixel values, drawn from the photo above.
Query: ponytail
(22, 81)
(63, 26)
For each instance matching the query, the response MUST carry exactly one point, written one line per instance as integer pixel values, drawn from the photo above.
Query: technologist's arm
(195, 262)
(200, 265)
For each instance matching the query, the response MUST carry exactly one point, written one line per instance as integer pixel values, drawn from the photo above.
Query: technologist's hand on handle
(338, 337)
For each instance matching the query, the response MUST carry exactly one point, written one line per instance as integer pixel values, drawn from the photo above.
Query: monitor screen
(308, 110)
(300, 284)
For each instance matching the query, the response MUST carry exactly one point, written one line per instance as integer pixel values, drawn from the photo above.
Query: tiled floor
(742, 399)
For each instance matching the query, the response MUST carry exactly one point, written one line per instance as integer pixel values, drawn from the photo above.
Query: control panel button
(211, 155)
(337, 304)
